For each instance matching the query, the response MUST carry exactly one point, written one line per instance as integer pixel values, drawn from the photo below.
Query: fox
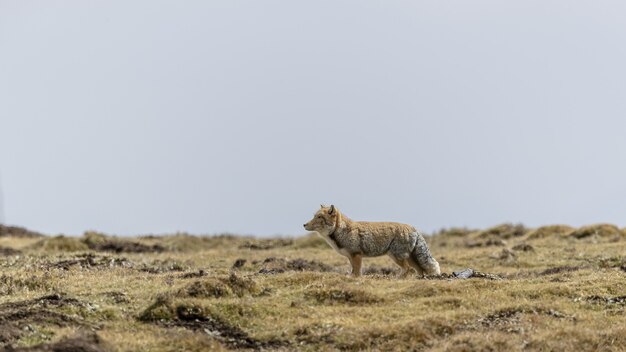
(357, 239)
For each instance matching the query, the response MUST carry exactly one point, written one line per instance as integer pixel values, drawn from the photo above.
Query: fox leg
(416, 266)
(402, 263)
(355, 261)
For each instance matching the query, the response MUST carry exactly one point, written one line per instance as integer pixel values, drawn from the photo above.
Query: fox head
(324, 221)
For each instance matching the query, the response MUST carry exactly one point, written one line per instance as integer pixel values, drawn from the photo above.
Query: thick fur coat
(357, 239)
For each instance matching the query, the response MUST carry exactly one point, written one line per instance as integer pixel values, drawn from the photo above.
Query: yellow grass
(563, 291)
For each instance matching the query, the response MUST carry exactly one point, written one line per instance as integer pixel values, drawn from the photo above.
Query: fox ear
(332, 210)
(322, 206)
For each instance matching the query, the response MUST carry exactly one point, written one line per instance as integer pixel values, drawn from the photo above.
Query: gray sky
(242, 116)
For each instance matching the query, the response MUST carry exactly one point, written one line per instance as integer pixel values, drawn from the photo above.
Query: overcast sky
(135, 117)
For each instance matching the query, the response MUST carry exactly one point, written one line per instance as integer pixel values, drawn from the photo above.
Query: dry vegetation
(550, 288)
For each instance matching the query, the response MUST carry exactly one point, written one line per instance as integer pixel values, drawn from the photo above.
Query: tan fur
(357, 239)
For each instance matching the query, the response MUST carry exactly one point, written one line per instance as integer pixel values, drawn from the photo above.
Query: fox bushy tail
(421, 255)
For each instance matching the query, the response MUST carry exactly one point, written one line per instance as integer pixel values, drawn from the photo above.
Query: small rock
(239, 263)
(463, 274)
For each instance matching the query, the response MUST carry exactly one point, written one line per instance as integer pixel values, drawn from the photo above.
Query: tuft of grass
(94, 239)
(504, 231)
(19, 232)
(455, 232)
(218, 287)
(162, 309)
(242, 286)
(211, 287)
(60, 244)
(191, 311)
(221, 287)
(550, 230)
(12, 284)
(597, 230)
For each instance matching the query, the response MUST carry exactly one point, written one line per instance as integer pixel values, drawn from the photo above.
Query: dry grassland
(546, 289)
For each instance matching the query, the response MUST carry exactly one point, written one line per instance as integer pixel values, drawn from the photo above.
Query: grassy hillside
(551, 288)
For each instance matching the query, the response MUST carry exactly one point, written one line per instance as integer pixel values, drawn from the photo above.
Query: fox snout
(308, 226)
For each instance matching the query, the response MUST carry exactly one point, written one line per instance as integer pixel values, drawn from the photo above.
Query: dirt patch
(14, 231)
(510, 319)
(89, 261)
(8, 251)
(560, 270)
(239, 263)
(274, 265)
(620, 300)
(229, 335)
(163, 266)
(103, 243)
(166, 313)
(342, 296)
(481, 275)
(487, 243)
(307, 265)
(194, 274)
(82, 342)
(127, 247)
(17, 318)
(504, 317)
(266, 244)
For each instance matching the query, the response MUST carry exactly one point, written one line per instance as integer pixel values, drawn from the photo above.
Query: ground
(551, 288)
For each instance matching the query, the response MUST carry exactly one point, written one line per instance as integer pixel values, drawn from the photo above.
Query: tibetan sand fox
(357, 239)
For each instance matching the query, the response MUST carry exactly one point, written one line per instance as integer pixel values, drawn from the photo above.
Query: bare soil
(85, 341)
(17, 318)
